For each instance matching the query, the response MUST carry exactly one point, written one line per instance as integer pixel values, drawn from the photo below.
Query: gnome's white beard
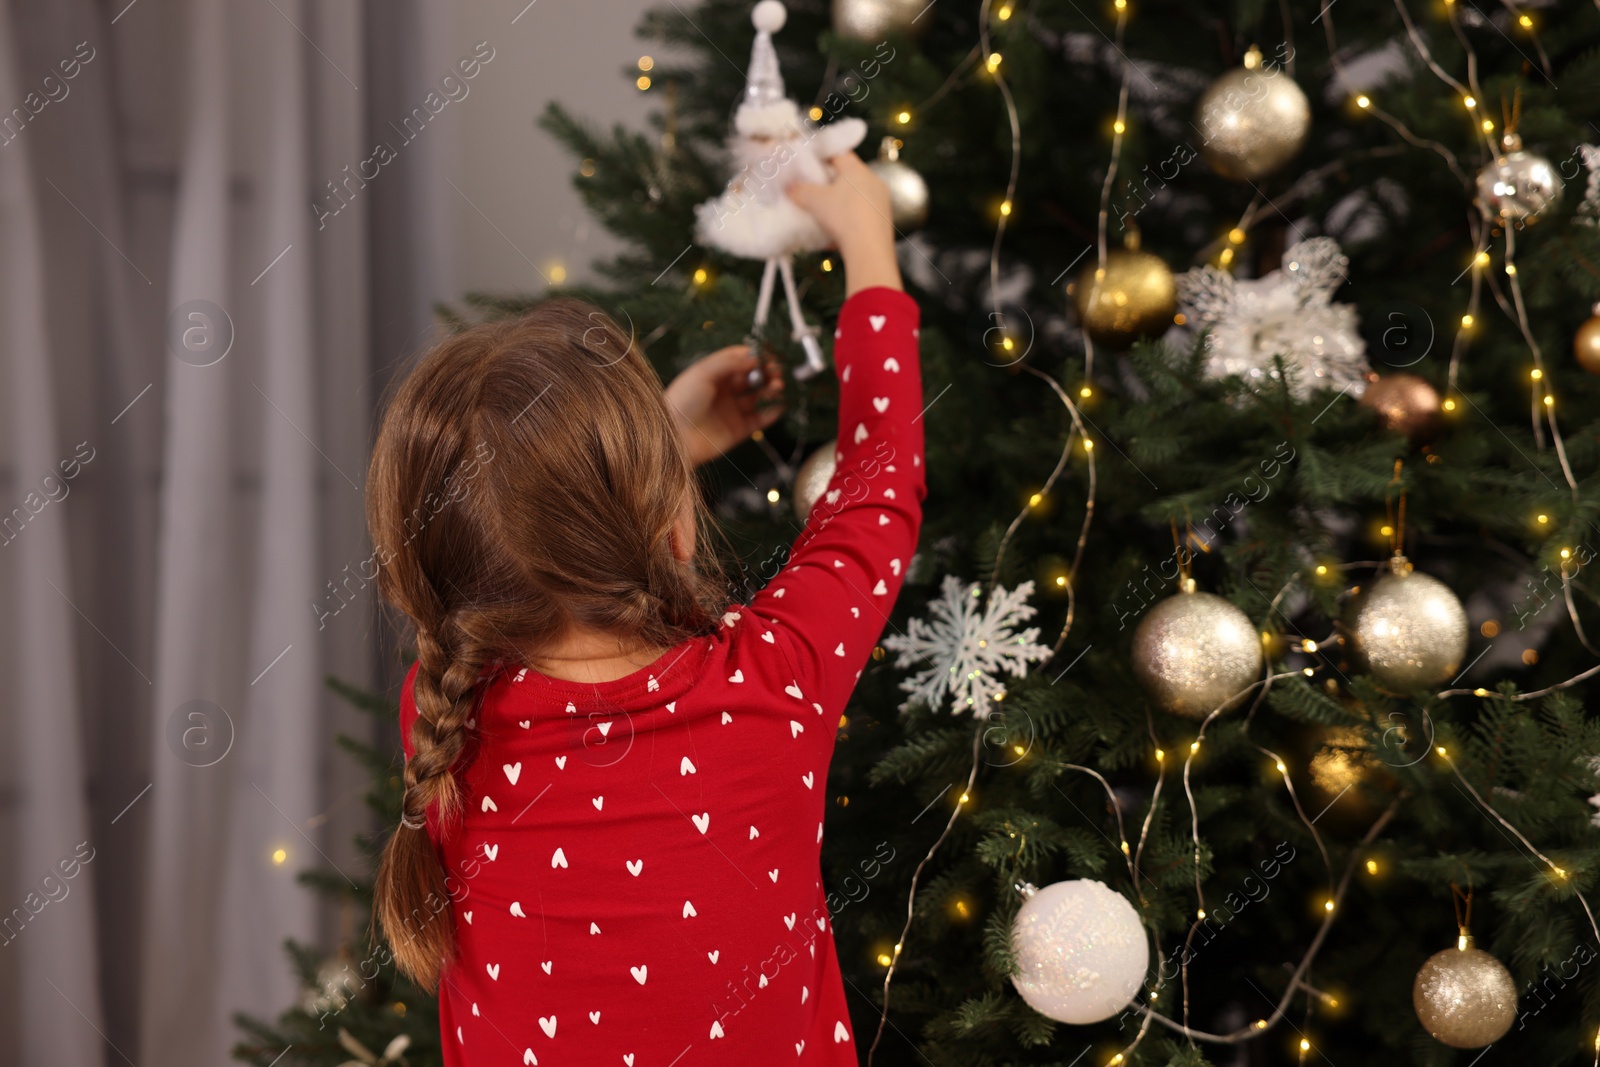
(773, 147)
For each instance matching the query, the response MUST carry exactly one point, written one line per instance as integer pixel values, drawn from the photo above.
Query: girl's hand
(854, 210)
(714, 406)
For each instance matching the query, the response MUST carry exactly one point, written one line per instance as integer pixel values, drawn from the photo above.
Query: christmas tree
(1252, 600)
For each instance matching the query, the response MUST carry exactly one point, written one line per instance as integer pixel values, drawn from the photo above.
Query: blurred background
(224, 227)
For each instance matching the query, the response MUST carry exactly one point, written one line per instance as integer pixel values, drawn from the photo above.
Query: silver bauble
(1410, 629)
(1252, 120)
(908, 193)
(1195, 652)
(812, 480)
(1081, 951)
(1519, 186)
(1465, 997)
(874, 20)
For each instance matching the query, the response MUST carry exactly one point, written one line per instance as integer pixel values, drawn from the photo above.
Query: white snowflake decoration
(1589, 210)
(1286, 313)
(967, 648)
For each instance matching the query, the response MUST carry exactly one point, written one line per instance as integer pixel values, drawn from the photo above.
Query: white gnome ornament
(772, 146)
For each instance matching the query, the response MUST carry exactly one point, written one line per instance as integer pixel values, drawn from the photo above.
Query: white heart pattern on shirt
(805, 991)
(516, 909)
(561, 762)
(529, 1059)
(594, 1017)
(736, 677)
(856, 612)
(604, 728)
(832, 496)
(881, 403)
(795, 729)
(888, 494)
(754, 833)
(467, 915)
(491, 852)
(880, 589)
(559, 859)
(844, 376)
(547, 965)
(762, 984)
(877, 322)
(686, 767)
(524, 723)
(807, 778)
(861, 432)
(598, 802)
(788, 920)
(839, 1032)
(488, 804)
(672, 707)
(891, 364)
(799, 1047)
(768, 638)
(701, 821)
(513, 771)
(635, 866)
(773, 874)
(652, 685)
(494, 970)
(726, 718)
(729, 618)
(640, 973)
(594, 928)
(548, 1025)
(716, 1031)
(714, 955)
(793, 690)
(883, 520)
(839, 651)
(688, 910)
(523, 673)
(817, 706)
(778, 595)
(572, 709)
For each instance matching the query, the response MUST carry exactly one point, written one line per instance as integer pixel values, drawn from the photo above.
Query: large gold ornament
(1253, 120)
(1406, 403)
(1134, 295)
(1465, 997)
(1518, 185)
(812, 480)
(908, 193)
(872, 21)
(1410, 629)
(1195, 652)
(1586, 343)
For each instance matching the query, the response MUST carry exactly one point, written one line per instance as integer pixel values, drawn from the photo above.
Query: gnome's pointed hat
(765, 84)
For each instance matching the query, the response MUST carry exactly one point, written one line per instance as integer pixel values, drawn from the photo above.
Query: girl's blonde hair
(525, 482)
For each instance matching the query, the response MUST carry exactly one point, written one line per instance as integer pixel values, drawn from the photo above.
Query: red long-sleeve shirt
(636, 873)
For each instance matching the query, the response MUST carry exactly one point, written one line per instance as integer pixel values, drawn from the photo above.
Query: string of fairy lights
(1481, 228)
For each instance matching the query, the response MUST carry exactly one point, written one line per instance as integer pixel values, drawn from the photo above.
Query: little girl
(614, 780)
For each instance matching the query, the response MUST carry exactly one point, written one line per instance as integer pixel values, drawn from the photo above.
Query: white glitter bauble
(1081, 951)
(812, 480)
(1519, 185)
(1195, 652)
(908, 193)
(872, 21)
(1410, 629)
(1465, 997)
(1253, 120)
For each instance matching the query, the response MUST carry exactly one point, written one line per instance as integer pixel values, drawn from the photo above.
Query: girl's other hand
(714, 405)
(854, 211)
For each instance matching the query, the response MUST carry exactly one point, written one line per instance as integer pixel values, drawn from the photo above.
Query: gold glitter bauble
(1406, 403)
(1410, 629)
(908, 193)
(1343, 760)
(1194, 652)
(872, 21)
(1586, 343)
(1252, 120)
(1518, 185)
(1465, 997)
(812, 480)
(1133, 296)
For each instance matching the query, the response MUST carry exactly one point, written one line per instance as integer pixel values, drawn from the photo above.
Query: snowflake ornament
(1589, 211)
(967, 648)
(1287, 313)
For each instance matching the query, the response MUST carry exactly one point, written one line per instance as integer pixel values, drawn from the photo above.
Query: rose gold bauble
(1586, 343)
(1405, 403)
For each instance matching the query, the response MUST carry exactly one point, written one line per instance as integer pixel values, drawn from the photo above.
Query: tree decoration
(813, 478)
(966, 647)
(772, 146)
(1519, 186)
(1253, 120)
(1409, 628)
(1195, 652)
(1132, 296)
(908, 193)
(1081, 951)
(1586, 342)
(1406, 403)
(1464, 997)
(871, 21)
(1287, 314)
